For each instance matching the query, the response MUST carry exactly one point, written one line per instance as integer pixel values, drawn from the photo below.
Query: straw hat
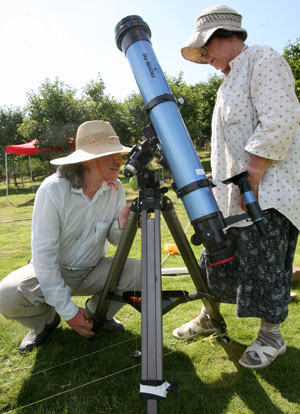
(94, 139)
(209, 21)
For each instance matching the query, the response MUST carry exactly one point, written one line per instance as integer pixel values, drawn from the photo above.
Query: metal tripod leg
(151, 310)
(117, 265)
(191, 263)
(152, 350)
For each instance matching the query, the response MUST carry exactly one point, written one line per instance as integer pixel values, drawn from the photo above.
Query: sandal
(266, 354)
(201, 325)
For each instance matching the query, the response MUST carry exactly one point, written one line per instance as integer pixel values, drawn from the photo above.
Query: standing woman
(255, 127)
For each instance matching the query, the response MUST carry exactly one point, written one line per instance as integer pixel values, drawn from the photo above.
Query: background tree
(10, 120)
(207, 94)
(292, 54)
(135, 118)
(98, 105)
(54, 113)
(52, 116)
(188, 108)
(197, 109)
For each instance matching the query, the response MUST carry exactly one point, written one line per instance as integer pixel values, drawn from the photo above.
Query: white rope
(10, 221)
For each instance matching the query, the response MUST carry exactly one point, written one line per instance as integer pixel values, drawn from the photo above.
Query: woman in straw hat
(255, 127)
(76, 211)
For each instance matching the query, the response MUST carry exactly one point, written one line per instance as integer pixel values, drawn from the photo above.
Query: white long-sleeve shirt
(70, 230)
(257, 112)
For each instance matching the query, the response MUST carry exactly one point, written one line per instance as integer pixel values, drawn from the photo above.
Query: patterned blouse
(257, 112)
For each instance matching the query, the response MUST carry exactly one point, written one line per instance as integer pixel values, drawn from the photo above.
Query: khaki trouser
(21, 298)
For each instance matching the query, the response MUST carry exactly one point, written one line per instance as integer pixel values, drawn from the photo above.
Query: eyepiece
(133, 28)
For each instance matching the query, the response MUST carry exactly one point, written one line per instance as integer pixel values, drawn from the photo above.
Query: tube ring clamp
(159, 99)
(181, 192)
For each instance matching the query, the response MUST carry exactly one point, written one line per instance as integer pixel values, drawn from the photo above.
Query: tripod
(154, 302)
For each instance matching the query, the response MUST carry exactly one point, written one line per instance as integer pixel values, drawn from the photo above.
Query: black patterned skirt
(258, 279)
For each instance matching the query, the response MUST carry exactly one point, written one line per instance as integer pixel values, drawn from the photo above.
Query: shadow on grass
(285, 375)
(216, 397)
(74, 375)
(250, 390)
(17, 191)
(26, 204)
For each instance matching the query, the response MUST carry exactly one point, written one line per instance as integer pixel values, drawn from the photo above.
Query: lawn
(70, 374)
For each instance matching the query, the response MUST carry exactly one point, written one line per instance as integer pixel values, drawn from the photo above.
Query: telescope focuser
(142, 154)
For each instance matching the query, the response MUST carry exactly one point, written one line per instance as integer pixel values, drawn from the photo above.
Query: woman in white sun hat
(255, 127)
(76, 212)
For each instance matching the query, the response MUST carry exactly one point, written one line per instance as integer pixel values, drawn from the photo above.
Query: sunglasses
(203, 51)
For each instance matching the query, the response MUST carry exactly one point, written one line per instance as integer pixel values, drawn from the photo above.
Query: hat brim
(191, 51)
(81, 156)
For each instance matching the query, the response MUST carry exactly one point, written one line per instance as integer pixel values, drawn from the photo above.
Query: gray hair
(73, 173)
(227, 33)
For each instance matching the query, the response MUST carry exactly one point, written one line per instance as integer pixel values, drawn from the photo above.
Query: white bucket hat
(209, 21)
(94, 139)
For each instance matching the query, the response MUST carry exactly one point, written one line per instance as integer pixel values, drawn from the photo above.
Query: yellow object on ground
(171, 248)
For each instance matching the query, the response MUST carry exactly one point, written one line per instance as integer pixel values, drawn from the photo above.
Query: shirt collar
(104, 187)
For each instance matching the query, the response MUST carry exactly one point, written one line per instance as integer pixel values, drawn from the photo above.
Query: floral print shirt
(257, 112)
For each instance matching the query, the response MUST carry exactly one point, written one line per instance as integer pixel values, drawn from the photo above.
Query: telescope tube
(133, 38)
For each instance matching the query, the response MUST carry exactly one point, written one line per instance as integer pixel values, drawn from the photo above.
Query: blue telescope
(133, 38)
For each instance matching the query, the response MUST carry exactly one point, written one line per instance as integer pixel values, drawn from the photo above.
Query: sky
(74, 40)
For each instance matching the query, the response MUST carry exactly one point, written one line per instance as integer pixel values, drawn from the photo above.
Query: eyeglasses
(203, 51)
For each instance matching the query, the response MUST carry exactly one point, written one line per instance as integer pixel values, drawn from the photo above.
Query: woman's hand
(254, 186)
(257, 168)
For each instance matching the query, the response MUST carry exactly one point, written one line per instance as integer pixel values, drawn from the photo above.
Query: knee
(137, 274)
(8, 294)
(131, 276)
(11, 294)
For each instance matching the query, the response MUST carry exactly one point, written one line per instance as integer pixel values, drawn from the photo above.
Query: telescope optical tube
(133, 38)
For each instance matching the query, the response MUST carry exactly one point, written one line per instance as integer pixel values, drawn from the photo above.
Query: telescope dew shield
(133, 38)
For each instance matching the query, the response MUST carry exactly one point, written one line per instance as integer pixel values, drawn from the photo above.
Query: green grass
(70, 374)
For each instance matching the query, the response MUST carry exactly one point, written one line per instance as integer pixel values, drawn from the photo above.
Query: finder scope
(254, 211)
(133, 38)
